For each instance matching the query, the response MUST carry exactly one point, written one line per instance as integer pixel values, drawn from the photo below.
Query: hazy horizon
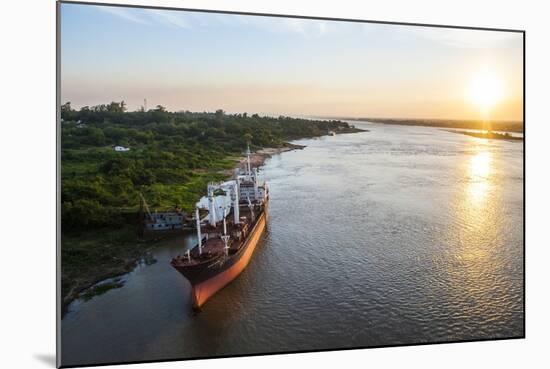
(285, 66)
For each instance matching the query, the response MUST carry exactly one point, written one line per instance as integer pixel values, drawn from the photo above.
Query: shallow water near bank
(400, 235)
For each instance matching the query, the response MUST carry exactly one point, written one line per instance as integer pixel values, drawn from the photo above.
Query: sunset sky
(267, 65)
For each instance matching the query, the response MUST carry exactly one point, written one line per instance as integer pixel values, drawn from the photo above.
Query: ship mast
(225, 236)
(235, 199)
(199, 229)
(255, 179)
(224, 223)
(146, 206)
(248, 171)
(251, 207)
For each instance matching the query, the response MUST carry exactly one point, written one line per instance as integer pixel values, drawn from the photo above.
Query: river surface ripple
(395, 236)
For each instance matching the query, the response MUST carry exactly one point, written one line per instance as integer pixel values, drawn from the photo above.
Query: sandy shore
(258, 158)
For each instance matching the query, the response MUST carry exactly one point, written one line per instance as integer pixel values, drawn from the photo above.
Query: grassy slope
(89, 257)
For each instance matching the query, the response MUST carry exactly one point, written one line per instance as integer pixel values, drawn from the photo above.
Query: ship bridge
(251, 186)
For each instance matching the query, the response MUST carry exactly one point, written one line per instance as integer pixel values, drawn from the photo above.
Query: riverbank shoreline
(83, 287)
(127, 262)
(258, 158)
(488, 135)
(136, 250)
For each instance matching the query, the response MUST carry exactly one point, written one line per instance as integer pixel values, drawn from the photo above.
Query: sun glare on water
(480, 168)
(480, 165)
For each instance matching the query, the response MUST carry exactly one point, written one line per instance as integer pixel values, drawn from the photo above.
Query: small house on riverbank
(121, 148)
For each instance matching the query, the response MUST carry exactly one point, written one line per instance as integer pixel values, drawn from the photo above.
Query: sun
(485, 91)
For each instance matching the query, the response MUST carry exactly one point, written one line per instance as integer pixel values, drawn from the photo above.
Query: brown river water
(399, 235)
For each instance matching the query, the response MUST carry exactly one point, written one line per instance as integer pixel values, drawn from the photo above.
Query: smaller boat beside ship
(154, 223)
(227, 236)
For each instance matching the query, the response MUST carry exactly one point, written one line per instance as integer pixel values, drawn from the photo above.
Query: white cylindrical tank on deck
(211, 207)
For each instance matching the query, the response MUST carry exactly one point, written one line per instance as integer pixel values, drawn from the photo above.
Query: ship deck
(214, 246)
(210, 248)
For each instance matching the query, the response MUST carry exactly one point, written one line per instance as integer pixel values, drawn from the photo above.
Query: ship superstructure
(227, 235)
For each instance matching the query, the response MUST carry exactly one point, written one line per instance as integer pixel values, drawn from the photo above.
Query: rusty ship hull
(210, 276)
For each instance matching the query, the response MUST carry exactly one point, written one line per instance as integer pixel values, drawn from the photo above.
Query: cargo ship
(227, 235)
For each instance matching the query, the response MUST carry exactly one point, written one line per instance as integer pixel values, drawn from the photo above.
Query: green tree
(94, 137)
(219, 115)
(65, 108)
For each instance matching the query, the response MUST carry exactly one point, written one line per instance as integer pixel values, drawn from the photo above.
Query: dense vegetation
(172, 156)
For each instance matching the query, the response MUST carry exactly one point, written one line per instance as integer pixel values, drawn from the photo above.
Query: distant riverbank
(508, 126)
(489, 135)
